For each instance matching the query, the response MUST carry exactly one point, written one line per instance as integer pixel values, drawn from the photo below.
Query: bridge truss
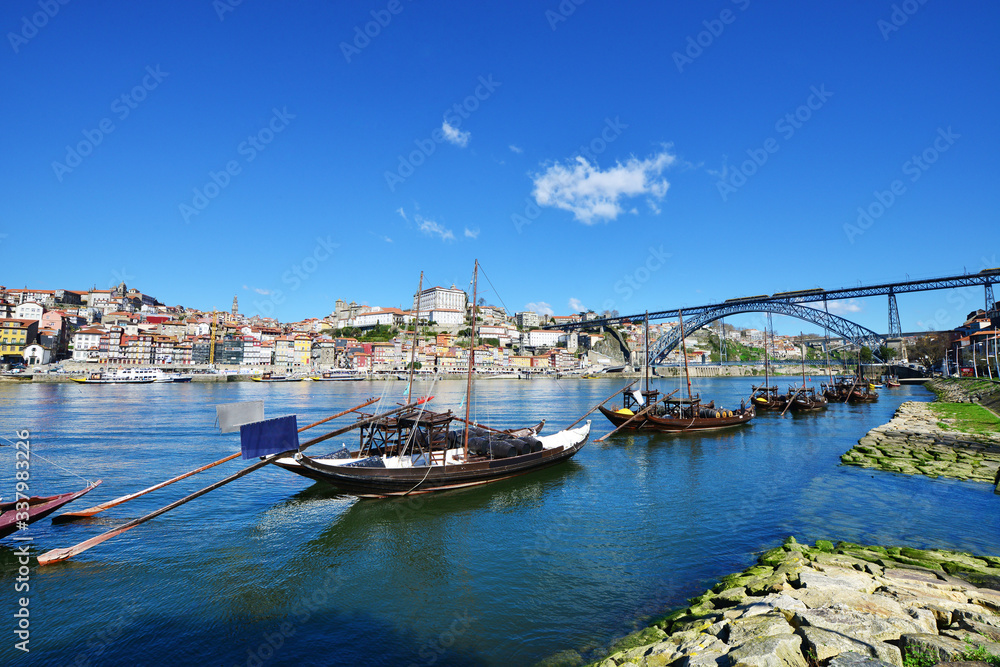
(857, 334)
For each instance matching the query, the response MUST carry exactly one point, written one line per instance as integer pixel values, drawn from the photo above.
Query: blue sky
(699, 150)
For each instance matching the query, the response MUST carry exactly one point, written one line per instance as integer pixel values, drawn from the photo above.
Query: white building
(86, 344)
(445, 316)
(36, 354)
(29, 310)
(545, 337)
(393, 317)
(527, 319)
(440, 298)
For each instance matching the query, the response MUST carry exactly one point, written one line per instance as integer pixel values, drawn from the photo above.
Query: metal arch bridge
(788, 303)
(857, 334)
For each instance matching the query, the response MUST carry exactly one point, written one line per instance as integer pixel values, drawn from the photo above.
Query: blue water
(570, 557)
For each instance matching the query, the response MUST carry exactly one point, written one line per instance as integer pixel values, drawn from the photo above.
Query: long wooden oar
(56, 555)
(96, 509)
(623, 389)
(637, 415)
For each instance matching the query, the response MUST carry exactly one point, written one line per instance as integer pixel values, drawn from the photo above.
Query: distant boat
(341, 374)
(122, 376)
(271, 377)
(39, 507)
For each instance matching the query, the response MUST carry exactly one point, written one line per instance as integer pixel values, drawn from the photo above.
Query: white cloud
(576, 305)
(402, 213)
(387, 239)
(472, 233)
(593, 195)
(540, 307)
(516, 149)
(454, 135)
(431, 228)
(849, 306)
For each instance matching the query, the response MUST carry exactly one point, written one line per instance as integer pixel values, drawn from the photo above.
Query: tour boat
(673, 415)
(271, 377)
(416, 452)
(122, 376)
(766, 397)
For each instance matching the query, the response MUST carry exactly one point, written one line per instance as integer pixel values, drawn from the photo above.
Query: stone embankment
(836, 606)
(917, 442)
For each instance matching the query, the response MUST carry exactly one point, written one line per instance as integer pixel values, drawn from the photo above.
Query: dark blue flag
(269, 437)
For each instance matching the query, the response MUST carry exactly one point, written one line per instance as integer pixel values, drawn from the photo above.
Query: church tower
(236, 308)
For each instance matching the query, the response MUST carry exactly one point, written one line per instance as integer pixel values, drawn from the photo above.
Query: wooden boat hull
(809, 406)
(617, 418)
(684, 425)
(39, 507)
(372, 482)
(769, 405)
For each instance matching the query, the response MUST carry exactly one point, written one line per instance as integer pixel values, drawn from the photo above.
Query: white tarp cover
(233, 415)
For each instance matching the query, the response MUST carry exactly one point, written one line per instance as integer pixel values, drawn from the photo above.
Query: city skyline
(297, 157)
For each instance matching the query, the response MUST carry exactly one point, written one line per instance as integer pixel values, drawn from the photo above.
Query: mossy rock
(789, 541)
(919, 554)
(824, 545)
(701, 610)
(774, 557)
(951, 567)
(664, 622)
(929, 564)
(848, 545)
(733, 581)
(643, 637)
(569, 658)
(730, 597)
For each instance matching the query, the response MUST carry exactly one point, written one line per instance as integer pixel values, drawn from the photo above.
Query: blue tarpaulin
(269, 437)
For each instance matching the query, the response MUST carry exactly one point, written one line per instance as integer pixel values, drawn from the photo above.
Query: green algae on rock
(834, 604)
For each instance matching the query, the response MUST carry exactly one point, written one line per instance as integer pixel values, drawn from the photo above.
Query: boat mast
(472, 361)
(684, 350)
(767, 377)
(416, 329)
(802, 337)
(645, 349)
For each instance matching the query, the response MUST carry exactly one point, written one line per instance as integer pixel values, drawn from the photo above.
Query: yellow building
(15, 335)
(303, 350)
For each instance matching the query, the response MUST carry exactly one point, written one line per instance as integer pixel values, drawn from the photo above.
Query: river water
(274, 570)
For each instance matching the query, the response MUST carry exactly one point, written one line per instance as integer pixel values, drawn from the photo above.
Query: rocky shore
(842, 605)
(917, 441)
